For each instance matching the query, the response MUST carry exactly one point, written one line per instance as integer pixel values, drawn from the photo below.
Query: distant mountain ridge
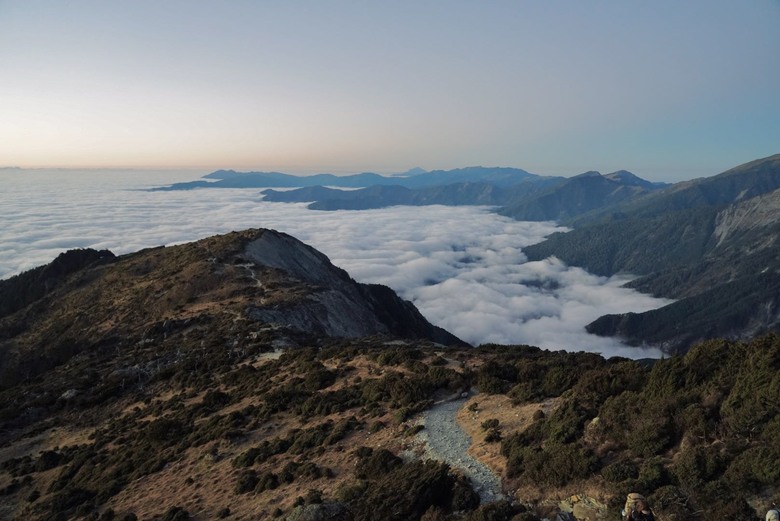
(467, 193)
(499, 176)
(530, 199)
(713, 243)
(579, 195)
(521, 195)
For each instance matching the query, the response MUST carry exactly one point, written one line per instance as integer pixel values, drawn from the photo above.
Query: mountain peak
(589, 173)
(412, 172)
(284, 252)
(260, 278)
(627, 178)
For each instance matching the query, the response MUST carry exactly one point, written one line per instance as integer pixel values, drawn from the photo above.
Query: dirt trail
(445, 441)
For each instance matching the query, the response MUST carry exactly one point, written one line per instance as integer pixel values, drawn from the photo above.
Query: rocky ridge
(261, 276)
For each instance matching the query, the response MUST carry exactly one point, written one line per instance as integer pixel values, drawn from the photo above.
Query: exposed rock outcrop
(336, 305)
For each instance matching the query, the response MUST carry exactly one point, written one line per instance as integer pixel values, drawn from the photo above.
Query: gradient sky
(667, 89)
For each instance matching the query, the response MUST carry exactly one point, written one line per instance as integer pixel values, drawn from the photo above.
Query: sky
(463, 267)
(667, 89)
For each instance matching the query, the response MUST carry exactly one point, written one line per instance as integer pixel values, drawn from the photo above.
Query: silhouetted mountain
(625, 177)
(230, 179)
(524, 197)
(687, 241)
(412, 171)
(498, 176)
(382, 196)
(579, 195)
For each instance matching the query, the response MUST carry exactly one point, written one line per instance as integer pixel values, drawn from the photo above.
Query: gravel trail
(445, 441)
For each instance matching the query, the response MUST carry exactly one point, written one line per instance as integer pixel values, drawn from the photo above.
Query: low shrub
(176, 514)
(620, 471)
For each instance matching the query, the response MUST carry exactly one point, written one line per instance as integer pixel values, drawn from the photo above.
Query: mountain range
(709, 243)
(415, 178)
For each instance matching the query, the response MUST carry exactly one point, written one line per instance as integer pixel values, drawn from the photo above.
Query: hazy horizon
(668, 90)
(200, 172)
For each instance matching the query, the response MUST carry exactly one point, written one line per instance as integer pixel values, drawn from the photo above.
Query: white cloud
(462, 266)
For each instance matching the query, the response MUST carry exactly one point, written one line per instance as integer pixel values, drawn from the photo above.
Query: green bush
(376, 463)
(267, 481)
(556, 464)
(652, 474)
(698, 465)
(215, 400)
(406, 493)
(498, 511)
(165, 430)
(493, 436)
(351, 492)
(620, 471)
(491, 423)
(246, 482)
(525, 392)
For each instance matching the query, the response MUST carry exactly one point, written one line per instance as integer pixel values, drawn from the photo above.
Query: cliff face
(337, 305)
(753, 214)
(259, 277)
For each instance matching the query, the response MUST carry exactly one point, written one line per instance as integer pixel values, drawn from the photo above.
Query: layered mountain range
(709, 243)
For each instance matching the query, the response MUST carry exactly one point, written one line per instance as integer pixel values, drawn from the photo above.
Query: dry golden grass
(511, 419)
(203, 481)
(586, 502)
(47, 440)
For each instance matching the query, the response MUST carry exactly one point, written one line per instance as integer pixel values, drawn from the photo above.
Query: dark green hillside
(695, 433)
(25, 288)
(698, 241)
(633, 245)
(325, 425)
(732, 186)
(750, 303)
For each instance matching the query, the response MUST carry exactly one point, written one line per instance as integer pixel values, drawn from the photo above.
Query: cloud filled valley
(463, 267)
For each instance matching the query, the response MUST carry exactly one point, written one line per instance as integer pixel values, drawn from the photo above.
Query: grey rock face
(284, 252)
(333, 304)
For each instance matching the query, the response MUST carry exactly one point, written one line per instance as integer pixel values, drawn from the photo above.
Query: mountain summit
(257, 278)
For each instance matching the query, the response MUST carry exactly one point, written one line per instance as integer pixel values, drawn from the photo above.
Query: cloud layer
(463, 267)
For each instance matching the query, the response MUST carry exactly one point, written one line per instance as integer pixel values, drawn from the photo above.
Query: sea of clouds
(463, 267)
